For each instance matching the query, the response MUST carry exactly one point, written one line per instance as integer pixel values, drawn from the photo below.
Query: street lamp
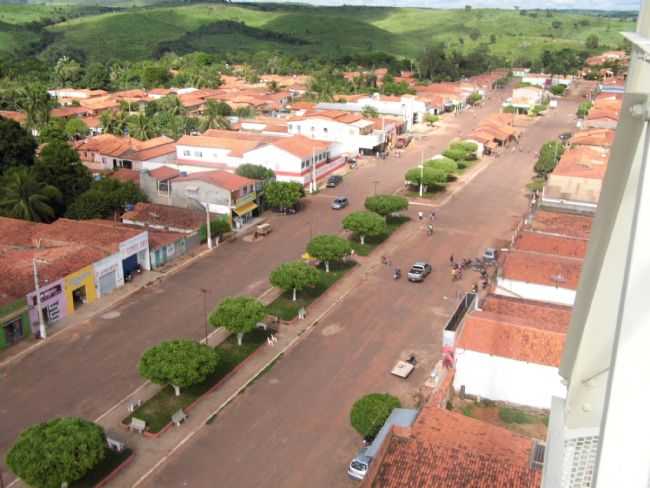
(205, 312)
(421, 166)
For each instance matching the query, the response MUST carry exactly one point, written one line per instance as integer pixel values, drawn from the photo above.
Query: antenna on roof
(558, 278)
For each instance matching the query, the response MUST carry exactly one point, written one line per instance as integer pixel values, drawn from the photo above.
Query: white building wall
(507, 380)
(534, 291)
(277, 160)
(110, 264)
(207, 155)
(347, 136)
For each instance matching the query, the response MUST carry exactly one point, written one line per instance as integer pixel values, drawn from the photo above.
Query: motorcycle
(397, 274)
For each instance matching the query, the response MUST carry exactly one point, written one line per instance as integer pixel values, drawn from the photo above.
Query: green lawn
(285, 308)
(158, 410)
(135, 32)
(392, 224)
(111, 461)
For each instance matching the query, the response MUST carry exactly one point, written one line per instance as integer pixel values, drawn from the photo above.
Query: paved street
(297, 415)
(291, 428)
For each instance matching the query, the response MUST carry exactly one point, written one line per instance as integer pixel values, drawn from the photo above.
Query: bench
(137, 425)
(179, 417)
(115, 443)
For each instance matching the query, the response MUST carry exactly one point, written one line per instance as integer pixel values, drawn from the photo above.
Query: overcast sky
(525, 4)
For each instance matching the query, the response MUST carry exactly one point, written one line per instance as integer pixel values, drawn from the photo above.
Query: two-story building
(221, 192)
(349, 133)
(108, 152)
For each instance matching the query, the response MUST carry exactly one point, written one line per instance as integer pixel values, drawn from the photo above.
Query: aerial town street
(292, 428)
(86, 369)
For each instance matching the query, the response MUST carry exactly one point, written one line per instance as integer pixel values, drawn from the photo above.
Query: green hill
(137, 33)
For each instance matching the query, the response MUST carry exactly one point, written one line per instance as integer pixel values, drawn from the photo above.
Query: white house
(510, 351)
(296, 158)
(538, 276)
(109, 152)
(410, 108)
(350, 132)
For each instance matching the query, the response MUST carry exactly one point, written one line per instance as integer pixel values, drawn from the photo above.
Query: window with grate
(579, 462)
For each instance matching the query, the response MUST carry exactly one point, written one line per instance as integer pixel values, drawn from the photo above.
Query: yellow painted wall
(86, 277)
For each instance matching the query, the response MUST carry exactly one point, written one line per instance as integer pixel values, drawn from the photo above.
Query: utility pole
(205, 314)
(39, 306)
(375, 183)
(421, 174)
(207, 224)
(314, 186)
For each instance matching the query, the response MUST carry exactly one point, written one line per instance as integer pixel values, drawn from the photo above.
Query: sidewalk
(91, 310)
(151, 453)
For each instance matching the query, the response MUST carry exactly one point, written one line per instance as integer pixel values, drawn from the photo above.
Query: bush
(583, 109)
(370, 412)
(514, 416)
(61, 450)
(444, 164)
(218, 227)
(549, 155)
(558, 89)
(456, 154)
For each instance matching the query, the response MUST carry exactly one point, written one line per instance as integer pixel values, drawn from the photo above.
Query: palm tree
(213, 118)
(23, 196)
(120, 122)
(107, 121)
(34, 100)
(140, 127)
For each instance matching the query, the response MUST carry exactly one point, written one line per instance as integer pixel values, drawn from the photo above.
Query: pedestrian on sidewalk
(420, 215)
(451, 260)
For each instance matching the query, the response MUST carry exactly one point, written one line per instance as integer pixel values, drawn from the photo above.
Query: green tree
(96, 77)
(556, 24)
(218, 227)
(493, 39)
(105, 198)
(294, 276)
(59, 451)
(364, 224)
(432, 178)
(549, 155)
(17, 146)
(431, 119)
(154, 76)
(282, 194)
(474, 34)
(385, 205)
(140, 127)
(370, 412)
(583, 109)
(369, 112)
(179, 363)
(67, 71)
(59, 165)
(329, 248)
(213, 116)
(255, 172)
(558, 89)
(24, 196)
(76, 128)
(474, 98)
(238, 315)
(34, 100)
(443, 164)
(592, 42)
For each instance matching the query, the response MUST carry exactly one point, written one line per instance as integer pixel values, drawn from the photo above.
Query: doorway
(78, 297)
(13, 331)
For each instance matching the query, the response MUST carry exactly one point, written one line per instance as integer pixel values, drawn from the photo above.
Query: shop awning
(246, 208)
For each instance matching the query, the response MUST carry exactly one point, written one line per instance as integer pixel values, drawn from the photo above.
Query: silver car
(419, 271)
(340, 202)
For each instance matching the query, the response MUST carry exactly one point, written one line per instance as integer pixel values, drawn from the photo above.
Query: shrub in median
(369, 413)
(385, 205)
(365, 224)
(180, 363)
(328, 248)
(238, 315)
(294, 276)
(60, 451)
(433, 178)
